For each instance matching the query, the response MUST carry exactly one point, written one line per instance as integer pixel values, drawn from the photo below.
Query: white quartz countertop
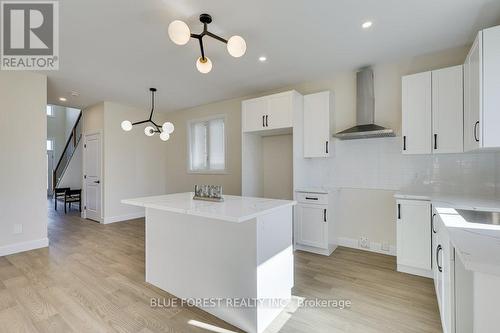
(458, 201)
(232, 209)
(477, 244)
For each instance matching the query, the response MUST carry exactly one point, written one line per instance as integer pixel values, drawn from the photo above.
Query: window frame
(53, 144)
(52, 113)
(207, 171)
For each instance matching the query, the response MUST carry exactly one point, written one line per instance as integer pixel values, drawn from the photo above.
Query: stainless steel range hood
(365, 111)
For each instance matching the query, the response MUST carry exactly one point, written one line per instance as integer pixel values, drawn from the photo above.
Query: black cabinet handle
(475, 131)
(311, 198)
(263, 121)
(432, 224)
(324, 215)
(435, 141)
(267, 125)
(404, 142)
(439, 249)
(399, 211)
(327, 147)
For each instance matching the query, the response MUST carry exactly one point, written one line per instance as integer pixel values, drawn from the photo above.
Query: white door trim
(84, 159)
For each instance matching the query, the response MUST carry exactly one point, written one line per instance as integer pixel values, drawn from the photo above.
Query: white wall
(23, 161)
(363, 173)
(134, 164)
(72, 177)
(277, 166)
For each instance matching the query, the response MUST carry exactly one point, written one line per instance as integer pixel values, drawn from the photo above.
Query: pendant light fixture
(180, 34)
(165, 130)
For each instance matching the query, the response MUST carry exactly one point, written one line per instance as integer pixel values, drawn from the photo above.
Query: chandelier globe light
(179, 33)
(164, 130)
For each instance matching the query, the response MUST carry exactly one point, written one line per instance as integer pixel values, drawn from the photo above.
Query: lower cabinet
(311, 223)
(452, 281)
(423, 242)
(414, 237)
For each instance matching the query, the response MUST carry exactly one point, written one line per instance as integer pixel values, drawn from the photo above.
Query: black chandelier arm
(216, 37)
(205, 32)
(152, 104)
(140, 122)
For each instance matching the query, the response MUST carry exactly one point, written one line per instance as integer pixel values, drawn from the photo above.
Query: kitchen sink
(476, 216)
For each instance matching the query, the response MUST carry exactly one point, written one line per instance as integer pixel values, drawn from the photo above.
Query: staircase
(67, 154)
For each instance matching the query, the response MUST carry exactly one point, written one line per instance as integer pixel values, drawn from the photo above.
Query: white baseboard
(324, 252)
(374, 246)
(415, 271)
(121, 218)
(23, 246)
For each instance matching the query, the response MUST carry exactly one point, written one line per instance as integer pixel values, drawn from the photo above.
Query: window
(50, 145)
(50, 111)
(207, 145)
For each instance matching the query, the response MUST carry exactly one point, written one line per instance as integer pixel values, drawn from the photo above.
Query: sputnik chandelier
(180, 34)
(165, 130)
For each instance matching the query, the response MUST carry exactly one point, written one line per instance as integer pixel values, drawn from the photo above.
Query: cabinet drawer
(312, 198)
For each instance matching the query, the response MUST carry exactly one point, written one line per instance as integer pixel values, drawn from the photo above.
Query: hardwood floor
(91, 279)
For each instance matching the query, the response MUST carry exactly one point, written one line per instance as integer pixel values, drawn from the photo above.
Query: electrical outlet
(385, 246)
(18, 229)
(363, 242)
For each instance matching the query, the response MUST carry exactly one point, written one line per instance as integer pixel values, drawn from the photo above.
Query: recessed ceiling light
(262, 58)
(367, 24)
(62, 99)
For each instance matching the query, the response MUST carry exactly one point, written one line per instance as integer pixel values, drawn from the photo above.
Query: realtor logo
(29, 35)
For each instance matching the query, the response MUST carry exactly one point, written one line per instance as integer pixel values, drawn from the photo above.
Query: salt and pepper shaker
(213, 192)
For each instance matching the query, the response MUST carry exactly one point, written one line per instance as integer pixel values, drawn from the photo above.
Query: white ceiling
(116, 49)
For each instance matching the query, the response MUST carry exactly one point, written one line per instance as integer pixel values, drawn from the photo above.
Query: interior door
(312, 226)
(417, 113)
(92, 177)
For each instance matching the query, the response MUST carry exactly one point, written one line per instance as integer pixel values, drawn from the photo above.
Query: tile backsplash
(379, 164)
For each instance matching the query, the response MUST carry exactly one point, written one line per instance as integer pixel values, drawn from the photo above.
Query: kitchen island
(233, 259)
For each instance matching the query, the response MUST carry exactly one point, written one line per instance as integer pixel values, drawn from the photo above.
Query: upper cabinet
(269, 112)
(417, 113)
(481, 87)
(432, 111)
(317, 130)
(447, 110)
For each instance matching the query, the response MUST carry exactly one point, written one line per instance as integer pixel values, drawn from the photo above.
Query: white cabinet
(447, 110)
(481, 87)
(311, 223)
(417, 113)
(317, 125)
(444, 272)
(279, 111)
(432, 111)
(269, 112)
(414, 237)
(253, 114)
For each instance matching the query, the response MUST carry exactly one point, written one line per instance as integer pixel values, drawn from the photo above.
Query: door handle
(475, 131)
(404, 142)
(97, 181)
(324, 215)
(435, 141)
(432, 223)
(399, 211)
(267, 125)
(311, 198)
(327, 147)
(263, 121)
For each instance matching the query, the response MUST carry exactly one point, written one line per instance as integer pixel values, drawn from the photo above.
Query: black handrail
(72, 137)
